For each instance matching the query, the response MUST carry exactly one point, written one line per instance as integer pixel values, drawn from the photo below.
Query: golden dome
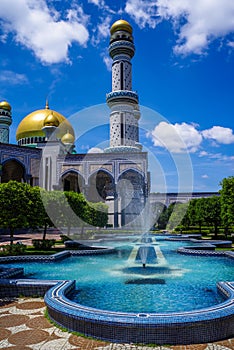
(5, 105)
(51, 120)
(121, 24)
(68, 138)
(33, 123)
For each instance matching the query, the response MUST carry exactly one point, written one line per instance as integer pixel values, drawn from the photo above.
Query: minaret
(123, 102)
(5, 121)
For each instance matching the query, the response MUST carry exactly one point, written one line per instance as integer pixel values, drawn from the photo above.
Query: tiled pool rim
(199, 326)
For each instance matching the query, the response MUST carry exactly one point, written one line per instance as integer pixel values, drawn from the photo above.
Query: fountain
(137, 285)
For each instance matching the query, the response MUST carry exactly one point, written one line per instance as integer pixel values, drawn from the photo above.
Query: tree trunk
(226, 231)
(45, 231)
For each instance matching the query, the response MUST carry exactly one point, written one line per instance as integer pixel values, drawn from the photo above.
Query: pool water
(171, 282)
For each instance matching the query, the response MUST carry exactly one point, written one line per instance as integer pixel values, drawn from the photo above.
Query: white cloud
(42, 30)
(101, 4)
(216, 156)
(104, 27)
(203, 154)
(231, 44)
(143, 12)
(205, 176)
(96, 2)
(219, 134)
(196, 23)
(102, 30)
(177, 138)
(108, 62)
(12, 78)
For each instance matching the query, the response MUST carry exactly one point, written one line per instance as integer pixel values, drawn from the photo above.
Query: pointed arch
(13, 169)
(72, 180)
(101, 185)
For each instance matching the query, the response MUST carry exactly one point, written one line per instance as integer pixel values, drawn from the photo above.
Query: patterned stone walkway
(24, 327)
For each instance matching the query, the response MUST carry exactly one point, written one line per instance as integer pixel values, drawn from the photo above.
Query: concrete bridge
(184, 197)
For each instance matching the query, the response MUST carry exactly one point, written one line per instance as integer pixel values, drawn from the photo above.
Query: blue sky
(182, 71)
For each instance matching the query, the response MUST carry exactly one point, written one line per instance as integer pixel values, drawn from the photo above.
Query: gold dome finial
(5, 105)
(121, 24)
(47, 104)
(68, 138)
(51, 120)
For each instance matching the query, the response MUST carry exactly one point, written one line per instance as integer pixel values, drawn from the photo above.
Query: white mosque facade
(44, 155)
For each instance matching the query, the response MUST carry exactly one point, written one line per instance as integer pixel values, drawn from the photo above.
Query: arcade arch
(131, 190)
(13, 170)
(101, 185)
(73, 181)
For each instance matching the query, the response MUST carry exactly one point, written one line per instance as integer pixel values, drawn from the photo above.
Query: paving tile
(24, 327)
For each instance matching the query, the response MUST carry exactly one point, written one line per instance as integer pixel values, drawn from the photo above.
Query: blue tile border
(56, 257)
(199, 326)
(205, 325)
(202, 247)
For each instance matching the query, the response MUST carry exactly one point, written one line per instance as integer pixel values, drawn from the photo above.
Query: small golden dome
(68, 138)
(121, 24)
(33, 123)
(5, 105)
(51, 120)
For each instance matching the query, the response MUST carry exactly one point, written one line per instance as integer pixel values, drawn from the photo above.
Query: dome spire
(47, 104)
(5, 121)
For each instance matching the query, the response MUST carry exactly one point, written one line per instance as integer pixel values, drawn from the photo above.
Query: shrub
(14, 249)
(65, 238)
(43, 244)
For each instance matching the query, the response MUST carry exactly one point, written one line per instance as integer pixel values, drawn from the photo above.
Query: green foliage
(177, 215)
(16, 205)
(163, 218)
(43, 244)
(212, 212)
(227, 202)
(77, 211)
(65, 238)
(13, 249)
(24, 206)
(56, 207)
(97, 214)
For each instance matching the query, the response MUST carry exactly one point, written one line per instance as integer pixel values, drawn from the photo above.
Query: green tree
(98, 214)
(163, 219)
(186, 222)
(156, 210)
(15, 206)
(212, 212)
(36, 215)
(200, 208)
(165, 216)
(177, 215)
(78, 212)
(55, 208)
(191, 212)
(227, 202)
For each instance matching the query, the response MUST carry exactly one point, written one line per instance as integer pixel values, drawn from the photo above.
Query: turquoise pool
(170, 282)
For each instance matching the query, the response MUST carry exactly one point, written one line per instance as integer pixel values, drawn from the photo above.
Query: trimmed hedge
(43, 244)
(14, 249)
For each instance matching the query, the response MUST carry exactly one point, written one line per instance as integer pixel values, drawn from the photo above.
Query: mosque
(45, 152)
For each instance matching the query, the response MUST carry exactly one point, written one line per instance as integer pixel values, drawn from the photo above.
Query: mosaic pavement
(24, 327)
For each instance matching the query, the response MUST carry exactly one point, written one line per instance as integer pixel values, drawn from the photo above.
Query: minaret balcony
(5, 119)
(122, 96)
(121, 47)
